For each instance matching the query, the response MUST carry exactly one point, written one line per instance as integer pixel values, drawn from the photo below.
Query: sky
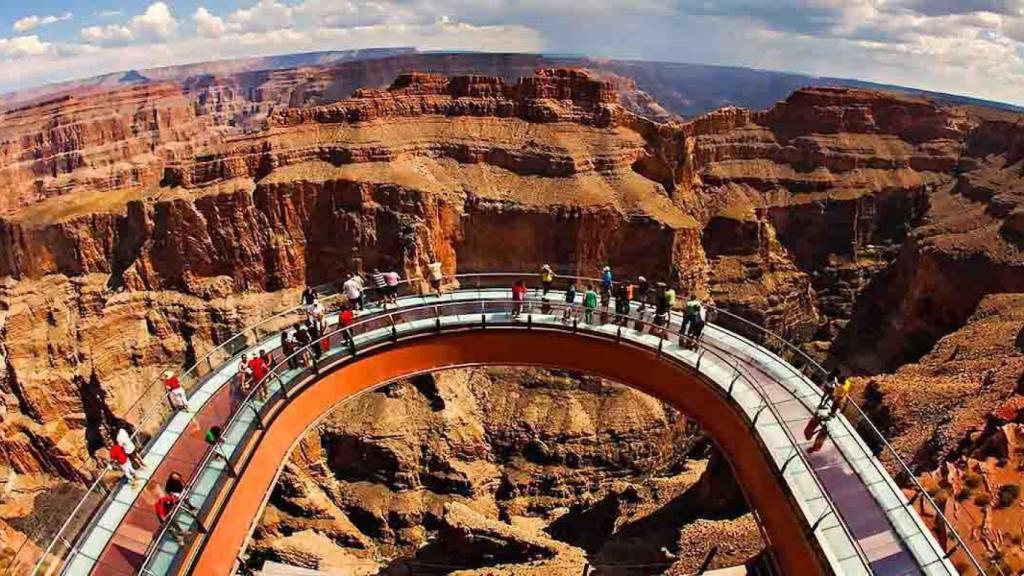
(972, 47)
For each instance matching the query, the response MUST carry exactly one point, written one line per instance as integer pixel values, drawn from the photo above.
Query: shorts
(435, 282)
(391, 291)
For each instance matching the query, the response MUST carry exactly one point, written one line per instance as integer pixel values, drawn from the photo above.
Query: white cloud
(29, 22)
(207, 24)
(108, 13)
(23, 46)
(264, 16)
(112, 34)
(156, 23)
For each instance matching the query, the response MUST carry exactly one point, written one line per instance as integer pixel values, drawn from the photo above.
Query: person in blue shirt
(606, 279)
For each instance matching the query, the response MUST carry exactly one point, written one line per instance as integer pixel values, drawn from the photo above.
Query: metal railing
(150, 407)
(485, 308)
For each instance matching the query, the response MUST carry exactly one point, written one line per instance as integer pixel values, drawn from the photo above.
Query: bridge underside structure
(832, 511)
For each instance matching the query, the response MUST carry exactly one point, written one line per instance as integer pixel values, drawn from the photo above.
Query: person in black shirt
(174, 484)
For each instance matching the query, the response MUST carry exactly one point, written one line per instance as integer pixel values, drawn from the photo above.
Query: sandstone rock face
(957, 414)
(507, 471)
(141, 226)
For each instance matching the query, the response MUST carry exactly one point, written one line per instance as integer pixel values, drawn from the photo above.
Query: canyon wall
(141, 226)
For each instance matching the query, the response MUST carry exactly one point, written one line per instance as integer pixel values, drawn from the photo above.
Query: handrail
(158, 408)
(302, 352)
(864, 417)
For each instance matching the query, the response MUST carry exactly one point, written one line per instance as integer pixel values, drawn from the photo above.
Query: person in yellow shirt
(840, 394)
(547, 278)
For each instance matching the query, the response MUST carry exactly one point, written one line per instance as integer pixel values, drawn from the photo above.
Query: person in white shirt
(124, 440)
(353, 288)
(435, 276)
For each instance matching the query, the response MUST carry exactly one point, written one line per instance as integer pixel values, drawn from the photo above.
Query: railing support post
(757, 415)
(256, 413)
(821, 518)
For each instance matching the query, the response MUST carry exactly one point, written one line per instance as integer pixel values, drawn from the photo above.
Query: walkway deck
(873, 529)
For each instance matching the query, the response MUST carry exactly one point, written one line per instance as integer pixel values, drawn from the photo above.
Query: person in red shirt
(164, 507)
(120, 457)
(175, 393)
(518, 297)
(259, 369)
(346, 319)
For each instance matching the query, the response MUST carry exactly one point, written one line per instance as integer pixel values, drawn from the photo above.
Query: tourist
(353, 291)
(303, 340)
(840, 394)
(259, 369)
(589, 303)
(345, 319)
(642, 287)
(268, 359)
(125, 441)
(164, 507)
(661, 308)
(380, 284)
(696, 326)
(435, 276)
(392, 279)
(606, 279)
(606, 299)
(316, 341)
(621, 302)
(570, 303)
(174, 484)
(175, 393)
(547, 278)
(244, 374)
(545, 305)
(518, 297)
(315, 311)
(308, 297)
(828, 388)
(691, 311)
(670, 298)
(212, 437)
(288, 349)
(120, 457)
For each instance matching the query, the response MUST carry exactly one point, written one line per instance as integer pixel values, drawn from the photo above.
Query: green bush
(972, 480)
(1008, 494)
(982, 499)
(963, 495)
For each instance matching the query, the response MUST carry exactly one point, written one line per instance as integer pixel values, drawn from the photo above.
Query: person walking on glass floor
(589, 304)
(570, 303)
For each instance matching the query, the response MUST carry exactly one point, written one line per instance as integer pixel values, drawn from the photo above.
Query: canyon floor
(483, 470)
